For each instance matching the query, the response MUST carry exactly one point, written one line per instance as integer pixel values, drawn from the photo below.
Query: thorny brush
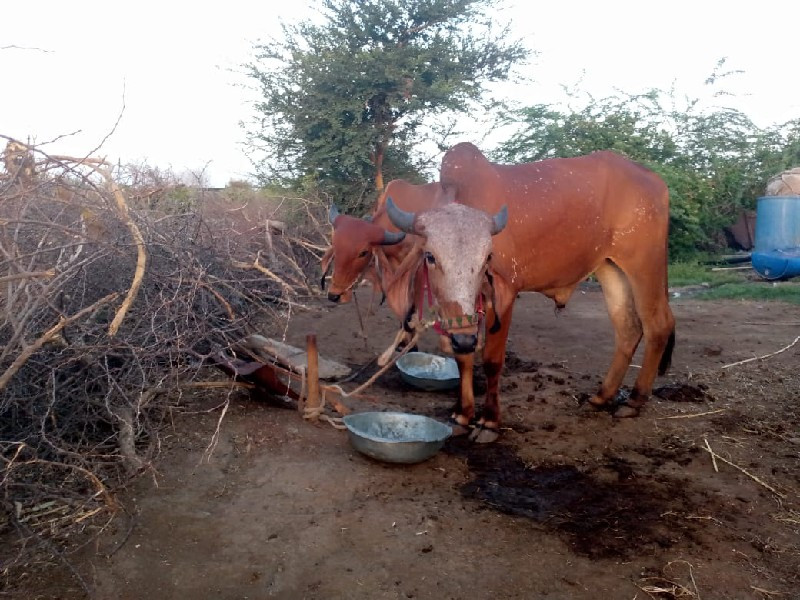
(81, 410)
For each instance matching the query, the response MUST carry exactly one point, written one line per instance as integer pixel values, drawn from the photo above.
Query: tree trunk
(380, 151)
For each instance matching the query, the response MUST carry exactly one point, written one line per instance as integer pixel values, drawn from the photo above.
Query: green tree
(715, 161)
(344, 99)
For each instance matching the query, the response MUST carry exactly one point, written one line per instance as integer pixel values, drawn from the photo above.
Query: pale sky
(177, 66)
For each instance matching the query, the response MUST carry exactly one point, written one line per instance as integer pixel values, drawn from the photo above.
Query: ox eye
(489, 258)
(363, 253)
(430, 259)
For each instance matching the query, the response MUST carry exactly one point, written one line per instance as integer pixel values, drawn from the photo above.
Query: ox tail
(666, 357)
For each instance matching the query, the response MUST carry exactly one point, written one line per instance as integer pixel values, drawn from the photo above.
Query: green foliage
(621, 124)
(178, 200)
(731, 284)
(685, 273)
(763, 291)
(715, 161)
(343, 100)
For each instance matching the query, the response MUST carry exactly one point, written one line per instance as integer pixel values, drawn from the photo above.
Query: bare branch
(48, 336)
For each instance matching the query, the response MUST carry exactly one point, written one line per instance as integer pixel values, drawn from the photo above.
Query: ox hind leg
(621, 306)
(652, 305)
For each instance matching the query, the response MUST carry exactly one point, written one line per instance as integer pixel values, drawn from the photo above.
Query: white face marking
(459, 238)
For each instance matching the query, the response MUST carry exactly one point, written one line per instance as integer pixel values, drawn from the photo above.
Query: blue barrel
(777, 249)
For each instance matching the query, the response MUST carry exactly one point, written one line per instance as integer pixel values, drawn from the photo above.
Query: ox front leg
(464, 410)
(494, 355)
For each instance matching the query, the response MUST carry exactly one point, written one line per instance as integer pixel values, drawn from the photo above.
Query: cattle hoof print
(592, 406)
(625, 411)
(484, 435)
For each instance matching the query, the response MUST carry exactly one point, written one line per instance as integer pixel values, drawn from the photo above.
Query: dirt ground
(568, 504)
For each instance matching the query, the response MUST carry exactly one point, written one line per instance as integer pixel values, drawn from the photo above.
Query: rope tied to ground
(317, 413)
(313, 413)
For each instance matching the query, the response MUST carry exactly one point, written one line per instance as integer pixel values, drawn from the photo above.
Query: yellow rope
(316, 412)
(313, 413)
(380, 371)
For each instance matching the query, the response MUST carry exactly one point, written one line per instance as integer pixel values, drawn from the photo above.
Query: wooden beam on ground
(293, 357)
(312, 402)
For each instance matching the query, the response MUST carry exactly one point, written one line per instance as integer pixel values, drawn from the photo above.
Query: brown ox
(567, 218)
(373, 249)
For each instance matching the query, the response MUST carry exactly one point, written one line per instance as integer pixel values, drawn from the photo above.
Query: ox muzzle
(461, 334)
(463, 343)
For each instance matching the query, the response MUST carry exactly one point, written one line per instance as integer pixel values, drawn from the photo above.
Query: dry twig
(693, 415)
(261, 269)
(742, 470)
(747, 360)
(48, 336)
(713, 456)
(766, 592)
(666, 584)
(141, 253)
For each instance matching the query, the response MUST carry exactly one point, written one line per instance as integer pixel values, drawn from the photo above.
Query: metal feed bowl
(428, 372)
(396, 437)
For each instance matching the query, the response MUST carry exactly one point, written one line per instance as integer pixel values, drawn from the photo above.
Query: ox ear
(399, 286)
(371, 275)
(500, 220)
(326, 263)
(333, 212)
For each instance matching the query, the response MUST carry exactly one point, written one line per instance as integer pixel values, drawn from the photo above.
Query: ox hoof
(595, 404)
(457, 427)
(484, 435)
(625, 411)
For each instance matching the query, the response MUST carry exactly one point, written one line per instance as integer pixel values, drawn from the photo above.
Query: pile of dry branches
(110, 308)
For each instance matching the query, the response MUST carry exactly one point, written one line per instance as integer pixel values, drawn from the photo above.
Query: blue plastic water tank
(777, 251)
(777, 223)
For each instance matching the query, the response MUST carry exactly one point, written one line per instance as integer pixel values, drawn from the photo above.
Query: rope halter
(443, 326)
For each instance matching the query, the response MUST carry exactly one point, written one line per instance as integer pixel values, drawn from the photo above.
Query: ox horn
(400, 218)
(392, 237)
(333, 213)
(500, 220)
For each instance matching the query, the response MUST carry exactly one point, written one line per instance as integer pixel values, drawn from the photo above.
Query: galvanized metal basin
(396, 437)
(428, 372)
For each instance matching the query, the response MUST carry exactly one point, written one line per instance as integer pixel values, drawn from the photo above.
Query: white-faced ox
(452, 262)
(567, 218)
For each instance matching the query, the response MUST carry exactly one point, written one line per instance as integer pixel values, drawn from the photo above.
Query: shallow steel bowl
(428, 372)
(396, 437)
